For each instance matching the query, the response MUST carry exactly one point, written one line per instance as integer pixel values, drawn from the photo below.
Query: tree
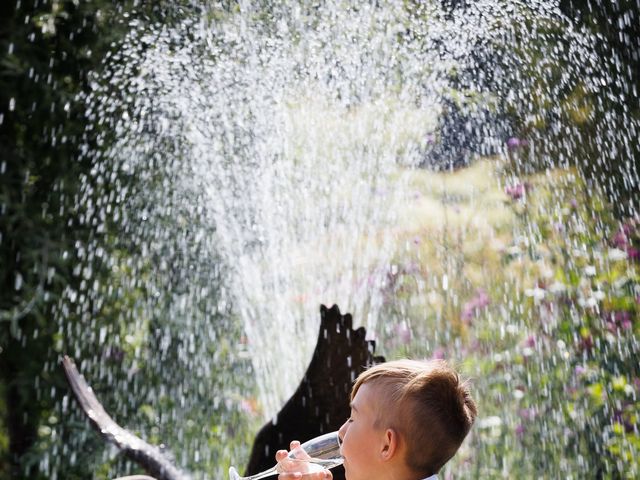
(48, 51)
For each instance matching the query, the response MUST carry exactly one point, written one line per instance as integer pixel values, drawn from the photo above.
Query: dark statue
(321, 402)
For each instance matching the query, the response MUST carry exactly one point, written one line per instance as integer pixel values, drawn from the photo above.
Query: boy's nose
(342, 431)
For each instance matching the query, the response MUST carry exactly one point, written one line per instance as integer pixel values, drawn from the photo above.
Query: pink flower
(626, 237)
(620, 240)
(630, 227)
(403, 333)
(527, 414)
(515, 192)
(514, 143)
(530, 341)
(473, 307)
(438, 354)
(619, 320)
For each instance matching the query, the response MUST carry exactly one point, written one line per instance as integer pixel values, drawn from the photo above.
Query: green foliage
(579, 105)
(47, 51)
(548, 332)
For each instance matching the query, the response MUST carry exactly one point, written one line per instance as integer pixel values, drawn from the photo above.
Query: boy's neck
(398, 472)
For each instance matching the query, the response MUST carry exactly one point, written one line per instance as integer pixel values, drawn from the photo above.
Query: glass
(316, 454)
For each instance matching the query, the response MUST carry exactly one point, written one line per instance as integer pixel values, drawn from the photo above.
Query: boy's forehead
(365, 397)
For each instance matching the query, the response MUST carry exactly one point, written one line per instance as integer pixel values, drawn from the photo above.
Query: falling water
(262, 160)
(291, 139)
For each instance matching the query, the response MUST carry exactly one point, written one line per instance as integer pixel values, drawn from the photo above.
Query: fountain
(250, 162)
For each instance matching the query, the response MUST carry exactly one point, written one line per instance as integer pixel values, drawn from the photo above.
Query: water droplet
(17, 285)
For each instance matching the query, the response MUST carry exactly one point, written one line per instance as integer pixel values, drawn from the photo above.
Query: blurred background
(183, 183)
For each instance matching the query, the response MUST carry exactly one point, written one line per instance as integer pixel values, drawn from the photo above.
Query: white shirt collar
(432, 477)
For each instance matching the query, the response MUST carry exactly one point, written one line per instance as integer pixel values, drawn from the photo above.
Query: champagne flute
(316, 454)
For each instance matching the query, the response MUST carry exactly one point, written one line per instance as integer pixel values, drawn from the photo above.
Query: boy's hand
(292, 469)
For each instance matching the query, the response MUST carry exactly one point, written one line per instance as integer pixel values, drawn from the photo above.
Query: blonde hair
(427, 403)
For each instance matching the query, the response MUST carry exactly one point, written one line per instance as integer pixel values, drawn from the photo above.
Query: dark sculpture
(319, 405)
(321, 402)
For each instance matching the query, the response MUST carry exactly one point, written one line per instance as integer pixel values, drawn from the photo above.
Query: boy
(408, 418)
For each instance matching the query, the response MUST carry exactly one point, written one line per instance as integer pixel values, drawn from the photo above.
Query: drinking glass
(316, 454)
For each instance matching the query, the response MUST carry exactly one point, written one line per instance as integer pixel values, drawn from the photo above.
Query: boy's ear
(389, 444)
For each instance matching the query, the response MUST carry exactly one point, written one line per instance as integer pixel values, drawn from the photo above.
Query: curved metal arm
(146, 455)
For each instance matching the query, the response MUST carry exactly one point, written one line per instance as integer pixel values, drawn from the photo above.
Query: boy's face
(360, 439)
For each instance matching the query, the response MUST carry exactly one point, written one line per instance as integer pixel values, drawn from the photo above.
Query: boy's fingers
(325, 475)
(292, 464)
(297, 451)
